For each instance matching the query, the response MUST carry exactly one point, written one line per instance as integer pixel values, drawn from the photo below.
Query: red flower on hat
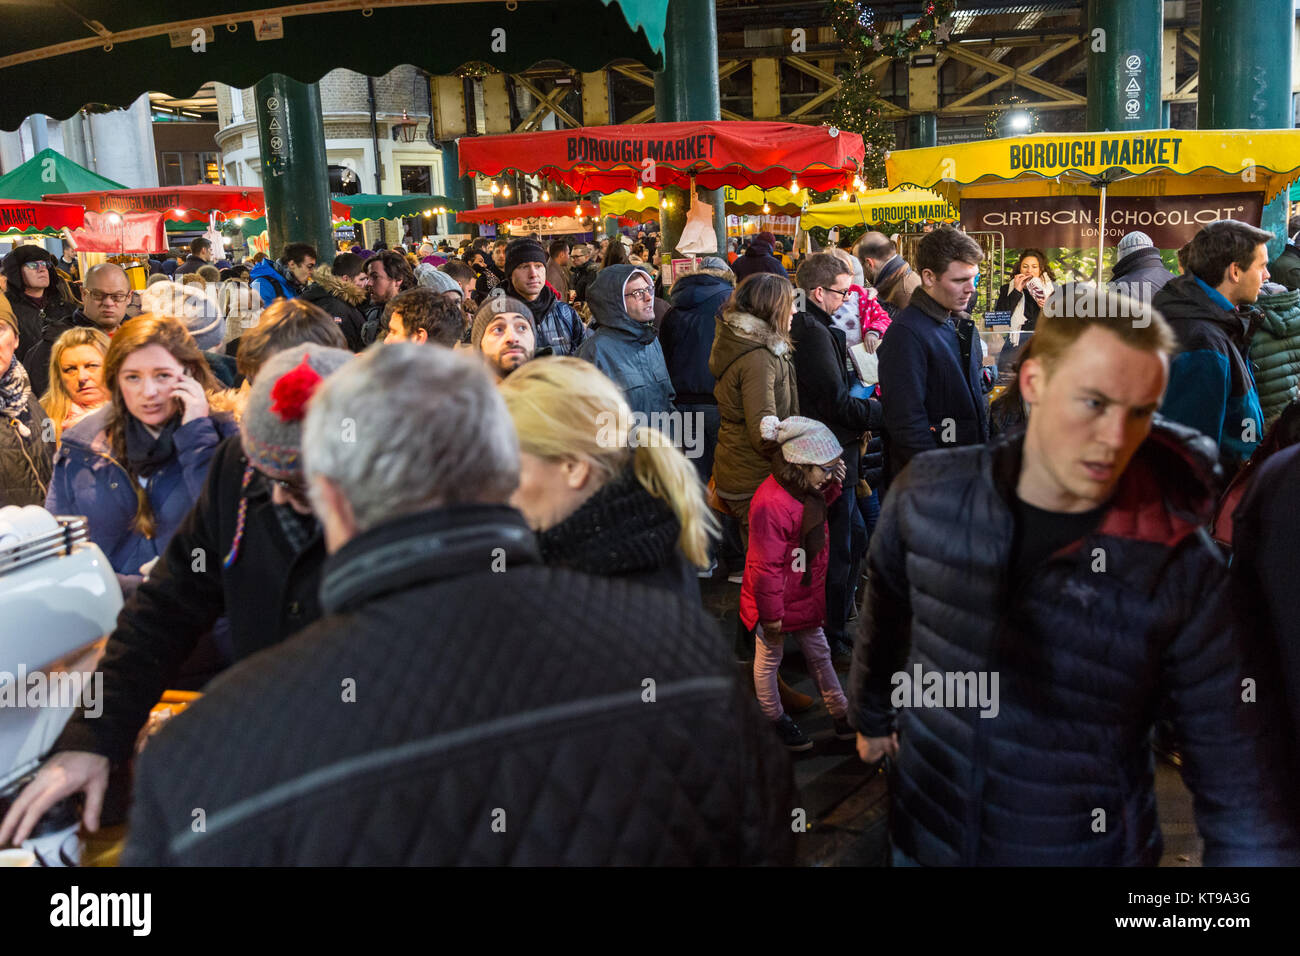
(290, 394)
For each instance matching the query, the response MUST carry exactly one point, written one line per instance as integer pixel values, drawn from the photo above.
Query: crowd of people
(429, 527)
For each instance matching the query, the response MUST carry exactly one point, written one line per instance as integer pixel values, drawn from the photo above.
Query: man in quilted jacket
(423, 719)
(1036, 603)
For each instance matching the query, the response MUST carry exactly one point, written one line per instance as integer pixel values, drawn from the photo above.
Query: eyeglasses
(642, 294)
(292, 488)
(34, 266)
(843, 294)
(117, 297)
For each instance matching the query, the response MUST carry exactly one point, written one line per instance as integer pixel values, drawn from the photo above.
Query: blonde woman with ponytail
(604, 494)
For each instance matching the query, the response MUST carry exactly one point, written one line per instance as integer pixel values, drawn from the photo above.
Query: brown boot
(793, 701)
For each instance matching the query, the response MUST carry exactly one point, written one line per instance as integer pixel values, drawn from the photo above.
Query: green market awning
(49, 172)
(57, 57)
(392, 206)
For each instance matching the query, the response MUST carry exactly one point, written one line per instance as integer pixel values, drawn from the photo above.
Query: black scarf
(146, 454)
(620, 529)
(545, 299)
(812, 528)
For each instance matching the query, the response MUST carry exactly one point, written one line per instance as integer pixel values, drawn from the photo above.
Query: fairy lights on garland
(1011, 118)
(855, 25)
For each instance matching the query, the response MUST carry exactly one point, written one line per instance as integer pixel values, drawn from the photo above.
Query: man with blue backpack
(290, 277)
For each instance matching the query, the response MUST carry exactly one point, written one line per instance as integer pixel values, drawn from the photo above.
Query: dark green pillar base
(295, 174)
(687, 89)
(922, 130)
(1124, 79)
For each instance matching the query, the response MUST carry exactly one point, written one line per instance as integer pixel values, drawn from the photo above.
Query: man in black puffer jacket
(687, 338)
(489, 733)
(1037, 602)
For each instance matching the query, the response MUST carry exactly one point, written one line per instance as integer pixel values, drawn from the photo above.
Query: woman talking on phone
(136, 466)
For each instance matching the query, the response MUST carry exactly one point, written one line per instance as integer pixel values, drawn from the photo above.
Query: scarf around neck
(545, 299)
(620, 529)
(16, 395)
(812, 527)
(146, 454)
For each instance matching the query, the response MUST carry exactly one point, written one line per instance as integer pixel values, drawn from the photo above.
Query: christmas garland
(855, 25)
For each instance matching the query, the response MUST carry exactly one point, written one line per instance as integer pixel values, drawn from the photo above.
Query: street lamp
(405, 129)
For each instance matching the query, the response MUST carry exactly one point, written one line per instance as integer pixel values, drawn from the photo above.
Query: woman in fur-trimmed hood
(752, 359)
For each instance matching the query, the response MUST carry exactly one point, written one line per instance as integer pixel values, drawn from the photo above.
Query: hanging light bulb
(844, 197)
(505, 190)
(794, 184)
(640, 193)
(663, 203)
(857, 182)
(546, 196)
(766, 207)
(577, 210)
(862, 189)
(496, 187)
(239, 220)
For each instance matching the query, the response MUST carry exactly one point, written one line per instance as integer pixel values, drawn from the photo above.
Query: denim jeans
(711, 419)
(846, 544)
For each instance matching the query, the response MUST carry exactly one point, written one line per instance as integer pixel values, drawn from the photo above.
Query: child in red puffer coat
(784, 588)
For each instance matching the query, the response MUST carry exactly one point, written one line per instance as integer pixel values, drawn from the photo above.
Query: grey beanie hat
(431, 277)
(715, 262)
(1132, 242)
(194, 305)
(497, 303)
(271, 429)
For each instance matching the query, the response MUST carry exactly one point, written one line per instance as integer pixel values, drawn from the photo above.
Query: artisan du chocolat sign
(1071, 222)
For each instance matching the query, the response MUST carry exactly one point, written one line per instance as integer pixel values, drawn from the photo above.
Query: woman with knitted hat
(605, 495)
(784, 588)
(135, 467)
(260, 574)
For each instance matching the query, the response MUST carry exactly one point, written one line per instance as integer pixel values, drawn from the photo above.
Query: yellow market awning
(1150, 162)
(739, 202)
(879, 207)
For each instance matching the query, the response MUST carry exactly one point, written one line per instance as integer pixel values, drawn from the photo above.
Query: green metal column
(458, 189)
(295, 175)
(922, 130)
(1245, 78)
(1124, 40)
(687, 89)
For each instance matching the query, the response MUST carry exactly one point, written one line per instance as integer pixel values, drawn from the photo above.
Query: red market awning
(183, 203)
(527, 210)
(606, 159)
(22, 216)
(121, 232)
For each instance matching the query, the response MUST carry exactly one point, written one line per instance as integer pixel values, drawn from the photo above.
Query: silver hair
(405, 427)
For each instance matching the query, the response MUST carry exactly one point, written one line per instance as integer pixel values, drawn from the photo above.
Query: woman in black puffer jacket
(605, 496)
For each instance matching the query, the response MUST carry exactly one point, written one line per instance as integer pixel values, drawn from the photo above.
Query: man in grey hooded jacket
(623, 342)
